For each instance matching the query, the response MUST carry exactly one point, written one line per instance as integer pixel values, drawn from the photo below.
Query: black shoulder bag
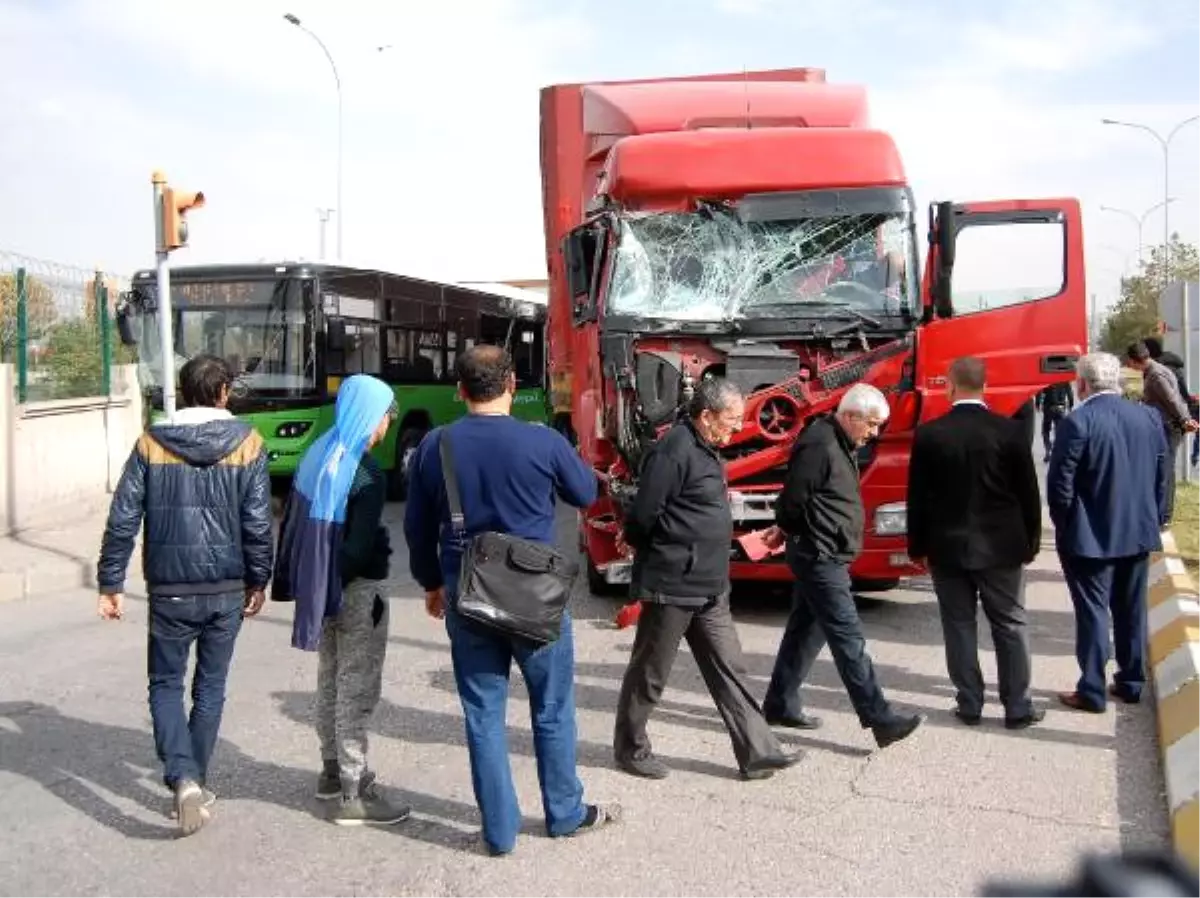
(513, 585)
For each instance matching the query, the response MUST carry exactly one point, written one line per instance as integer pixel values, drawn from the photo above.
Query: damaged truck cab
(754, 227)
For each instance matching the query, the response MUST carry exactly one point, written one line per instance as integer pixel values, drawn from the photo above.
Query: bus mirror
(336, 334)
(125, 329)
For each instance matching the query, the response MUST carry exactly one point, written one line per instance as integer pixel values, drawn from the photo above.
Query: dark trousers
(1100, 587)
(712, 637)
(1174, 441)
(1002, 594)
(1050, 422)
(823, 610)
(185, 744)
(483, 659)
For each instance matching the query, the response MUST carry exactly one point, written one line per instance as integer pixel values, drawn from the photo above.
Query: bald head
(968, 377)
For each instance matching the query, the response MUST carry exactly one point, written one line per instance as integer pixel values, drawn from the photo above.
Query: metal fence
(56, 328)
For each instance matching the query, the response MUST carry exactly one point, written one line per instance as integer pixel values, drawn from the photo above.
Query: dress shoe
(1076, 702)
(799, 721)
(971, 720)
(765, 768)
(1035, 716)
(1122, 696)
(646, 766)
(896, 729)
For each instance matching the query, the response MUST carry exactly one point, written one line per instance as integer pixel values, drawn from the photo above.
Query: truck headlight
(891, 519)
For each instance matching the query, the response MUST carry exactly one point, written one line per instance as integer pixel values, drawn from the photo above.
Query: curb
(1173, 610)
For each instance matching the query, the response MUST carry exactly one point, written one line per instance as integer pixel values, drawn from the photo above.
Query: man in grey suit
(975, 515)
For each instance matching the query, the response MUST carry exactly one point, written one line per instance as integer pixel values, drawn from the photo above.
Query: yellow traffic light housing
(173, 208)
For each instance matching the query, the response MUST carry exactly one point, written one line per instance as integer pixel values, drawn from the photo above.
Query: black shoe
(1034, 717)
(646, 766)
(896, 729)
(971, 720)
(1122, 696)
(799, 721)
(765, 768)
(599, 816)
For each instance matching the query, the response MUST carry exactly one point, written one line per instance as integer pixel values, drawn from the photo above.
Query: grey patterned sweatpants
(350, 678)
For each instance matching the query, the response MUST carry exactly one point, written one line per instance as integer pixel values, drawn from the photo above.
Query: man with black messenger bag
(480, 532)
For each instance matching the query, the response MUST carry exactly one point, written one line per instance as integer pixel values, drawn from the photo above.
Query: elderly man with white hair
(1106, 489)
(821, 513)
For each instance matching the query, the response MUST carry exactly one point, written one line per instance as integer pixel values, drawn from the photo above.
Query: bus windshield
(262, 328)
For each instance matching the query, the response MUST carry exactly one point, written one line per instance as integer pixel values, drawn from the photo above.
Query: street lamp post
(338, 84)
(1140, 220)
(1165, 142)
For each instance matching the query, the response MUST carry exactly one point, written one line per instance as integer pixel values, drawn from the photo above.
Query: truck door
(1012, 295)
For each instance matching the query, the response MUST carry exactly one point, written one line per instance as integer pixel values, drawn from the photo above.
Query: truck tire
(397, 478)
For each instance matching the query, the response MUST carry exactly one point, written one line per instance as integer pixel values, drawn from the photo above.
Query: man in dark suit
(975, 516)
(1107, 492)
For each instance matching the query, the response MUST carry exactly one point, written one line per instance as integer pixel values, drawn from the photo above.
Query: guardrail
(1174, 657)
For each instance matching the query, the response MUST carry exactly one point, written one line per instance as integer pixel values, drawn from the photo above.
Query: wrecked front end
(794, 300)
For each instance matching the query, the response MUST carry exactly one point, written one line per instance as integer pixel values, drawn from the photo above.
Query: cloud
(441, 147)
(440, 131)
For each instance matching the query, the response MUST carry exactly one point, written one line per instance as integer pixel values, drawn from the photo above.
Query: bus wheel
(406, 445)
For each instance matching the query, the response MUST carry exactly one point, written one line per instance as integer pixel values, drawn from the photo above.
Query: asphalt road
(936, 815)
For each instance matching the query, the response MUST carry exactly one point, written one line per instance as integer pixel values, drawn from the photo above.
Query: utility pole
(323, 218)
(1165, 143)
(170, 233)
(337, 81)
(1140, 220)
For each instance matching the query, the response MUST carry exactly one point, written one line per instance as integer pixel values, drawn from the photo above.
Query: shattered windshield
(709, 265)
(267, 345)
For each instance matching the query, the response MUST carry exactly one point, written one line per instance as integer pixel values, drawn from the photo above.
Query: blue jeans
(212, 622)
(482, 661)
(1101, 588)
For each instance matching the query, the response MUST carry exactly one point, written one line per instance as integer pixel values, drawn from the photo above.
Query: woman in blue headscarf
(333, 550)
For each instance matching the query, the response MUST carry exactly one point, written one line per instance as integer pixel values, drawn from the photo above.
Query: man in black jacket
(820, 510)
(975, 516)
(681, 529)
(1055, 403)
(201, 484)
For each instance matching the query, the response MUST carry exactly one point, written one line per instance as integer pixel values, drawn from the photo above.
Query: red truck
(754, 226)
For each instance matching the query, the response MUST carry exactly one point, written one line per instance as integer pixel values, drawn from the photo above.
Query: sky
(441, 156)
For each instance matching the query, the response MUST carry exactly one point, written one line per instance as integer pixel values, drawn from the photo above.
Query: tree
(1136, 314)
(40, 309)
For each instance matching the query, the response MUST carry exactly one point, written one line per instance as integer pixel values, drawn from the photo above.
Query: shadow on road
(82, 762)
(423, 727)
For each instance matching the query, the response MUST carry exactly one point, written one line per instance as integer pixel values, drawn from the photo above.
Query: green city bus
(293, 330)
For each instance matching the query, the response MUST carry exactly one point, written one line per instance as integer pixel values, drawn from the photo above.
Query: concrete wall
(1173, 301)
(62, 459)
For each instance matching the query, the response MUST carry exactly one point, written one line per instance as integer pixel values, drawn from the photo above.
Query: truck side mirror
(581, 251)
(943, 233)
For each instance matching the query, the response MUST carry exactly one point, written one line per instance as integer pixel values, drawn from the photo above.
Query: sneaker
(189, 807)
(207, 800)
(329, 783)
(371, 808)
(598, 816)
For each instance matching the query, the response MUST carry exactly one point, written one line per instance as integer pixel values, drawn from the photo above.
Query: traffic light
(172, 214)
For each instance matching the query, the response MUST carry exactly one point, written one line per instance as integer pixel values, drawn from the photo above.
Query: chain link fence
(56, 328)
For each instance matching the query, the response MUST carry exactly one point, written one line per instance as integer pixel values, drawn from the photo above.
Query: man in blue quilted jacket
(201, 485)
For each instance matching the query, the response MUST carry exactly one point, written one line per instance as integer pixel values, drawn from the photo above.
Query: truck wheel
(406, 443)
(858, 584)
